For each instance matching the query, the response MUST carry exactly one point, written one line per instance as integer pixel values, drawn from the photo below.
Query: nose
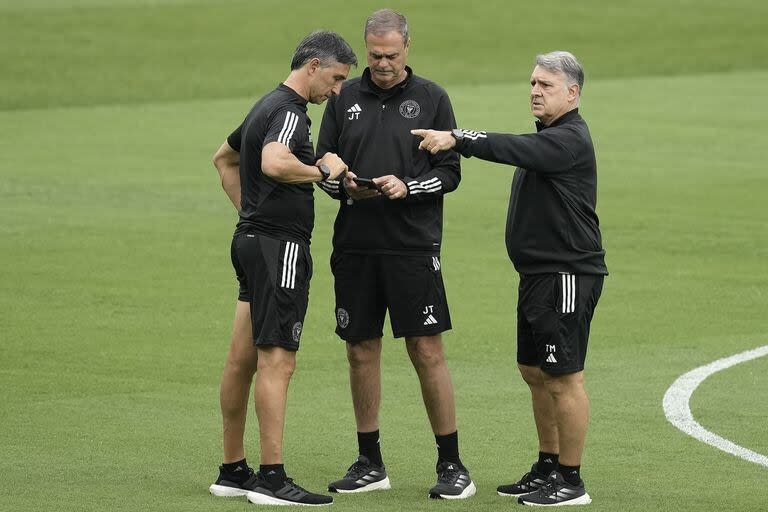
(336, 89)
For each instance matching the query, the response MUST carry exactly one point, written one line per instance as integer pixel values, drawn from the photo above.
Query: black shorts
(274, 278)
(553, 316)
(410, 287)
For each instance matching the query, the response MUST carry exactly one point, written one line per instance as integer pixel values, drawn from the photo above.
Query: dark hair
(325, 45)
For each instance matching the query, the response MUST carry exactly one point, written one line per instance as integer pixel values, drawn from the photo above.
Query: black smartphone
(367, 183)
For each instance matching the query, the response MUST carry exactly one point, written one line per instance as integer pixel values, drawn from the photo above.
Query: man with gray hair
(267, 167)
(553, 238)
(386, 246)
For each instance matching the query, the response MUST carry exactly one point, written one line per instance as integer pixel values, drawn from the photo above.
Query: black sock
(448, 448)
(273, 473)
(237, 469)
(571, 474)
(547, 463)
(370, 446)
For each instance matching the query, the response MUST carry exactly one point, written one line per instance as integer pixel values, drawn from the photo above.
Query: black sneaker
(286, 493)
(453, 482)
(237, 483)
(556, 492)
(529, 483)
(362, 476)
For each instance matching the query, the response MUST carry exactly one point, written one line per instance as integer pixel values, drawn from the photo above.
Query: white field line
(678, 411)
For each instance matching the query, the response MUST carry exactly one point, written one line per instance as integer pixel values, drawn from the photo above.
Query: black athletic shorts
(553, 316)
(410, 287)
(274, 278)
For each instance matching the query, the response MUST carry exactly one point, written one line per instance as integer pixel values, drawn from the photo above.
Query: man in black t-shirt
(386, 246)
(267, 167)
(553, 238)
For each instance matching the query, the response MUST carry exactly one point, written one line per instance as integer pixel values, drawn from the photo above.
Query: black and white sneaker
(453, 482)
(236, 483)
(362, 476)
(556, 492)
(529, 483)
(286, 493)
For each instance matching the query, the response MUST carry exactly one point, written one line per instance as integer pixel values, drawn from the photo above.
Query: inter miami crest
(409, 109)
(342, 317)
(297, 332)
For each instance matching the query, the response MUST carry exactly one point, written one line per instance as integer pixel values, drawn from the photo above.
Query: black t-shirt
(268, 206)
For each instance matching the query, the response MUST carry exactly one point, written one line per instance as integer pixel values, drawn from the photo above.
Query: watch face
(457, 134)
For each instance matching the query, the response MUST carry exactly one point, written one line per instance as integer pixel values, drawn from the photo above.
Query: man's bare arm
(227, 162)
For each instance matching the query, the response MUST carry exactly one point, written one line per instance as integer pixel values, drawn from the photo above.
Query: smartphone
(367, 183)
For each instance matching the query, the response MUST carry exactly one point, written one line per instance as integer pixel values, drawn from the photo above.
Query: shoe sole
(382, 485)
(468, 492)
(262, 499)
(222, 491)
(581, 500)
(509, 495)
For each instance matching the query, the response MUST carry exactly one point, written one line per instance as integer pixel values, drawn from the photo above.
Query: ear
(573, 92)
(313, 65)
(407, 46)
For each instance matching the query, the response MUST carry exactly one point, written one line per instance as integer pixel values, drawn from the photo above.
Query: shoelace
(289, 481)
(357, 469)
(449, 475)
(526, 480)
(550, 487)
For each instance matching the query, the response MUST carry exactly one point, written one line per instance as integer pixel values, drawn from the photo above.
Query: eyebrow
(378, 55)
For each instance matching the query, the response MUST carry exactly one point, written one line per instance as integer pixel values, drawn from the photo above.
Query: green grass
(117, 294)
(132, 51)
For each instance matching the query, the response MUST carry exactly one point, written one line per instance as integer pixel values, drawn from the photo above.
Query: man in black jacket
(387, 245)
(553, 239)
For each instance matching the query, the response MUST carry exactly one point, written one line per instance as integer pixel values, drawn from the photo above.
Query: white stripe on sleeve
(286, 123)
(430, 185)
(288, 127)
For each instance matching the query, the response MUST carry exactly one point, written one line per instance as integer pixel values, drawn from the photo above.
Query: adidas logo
(551, 358)
(430, 320)
(354, 112)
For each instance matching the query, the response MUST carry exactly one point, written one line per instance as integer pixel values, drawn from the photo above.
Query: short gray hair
(565, 63)
(384, 21)
(329, 47)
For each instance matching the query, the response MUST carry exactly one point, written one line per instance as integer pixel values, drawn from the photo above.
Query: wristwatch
(325, 171)
(457, 134)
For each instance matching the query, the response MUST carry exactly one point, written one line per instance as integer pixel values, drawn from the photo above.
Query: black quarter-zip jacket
(551, 224)
(370, 129)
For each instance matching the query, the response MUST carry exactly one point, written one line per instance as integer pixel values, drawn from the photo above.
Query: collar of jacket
(297, 98)
(571, 114)
(367, 85)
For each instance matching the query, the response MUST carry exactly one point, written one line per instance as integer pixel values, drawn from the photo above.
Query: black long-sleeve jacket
(551, 225)
(369, 128)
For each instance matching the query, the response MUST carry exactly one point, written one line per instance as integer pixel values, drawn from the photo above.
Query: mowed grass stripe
(102, 53)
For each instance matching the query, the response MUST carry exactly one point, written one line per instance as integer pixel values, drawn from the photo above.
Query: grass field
(116, 292)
